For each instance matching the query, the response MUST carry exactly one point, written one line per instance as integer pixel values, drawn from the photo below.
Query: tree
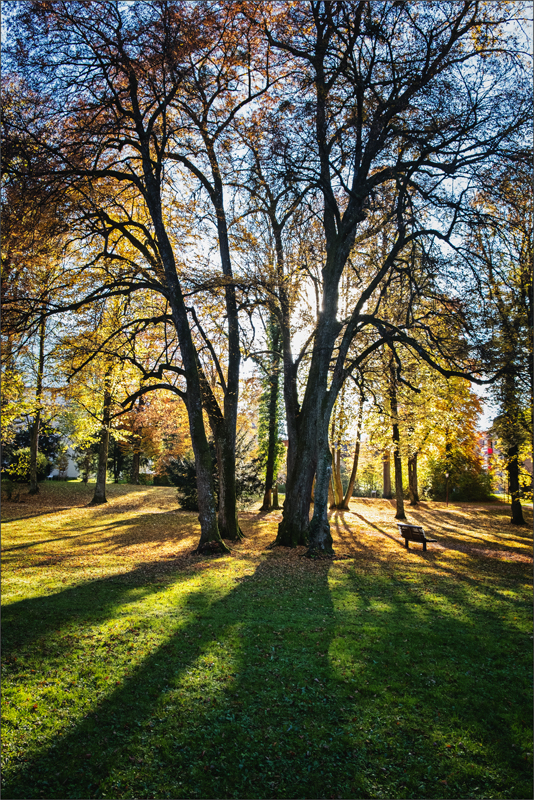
(270, 445)
(372, 91)
(112, 151)
(500, 240)
(33, 235)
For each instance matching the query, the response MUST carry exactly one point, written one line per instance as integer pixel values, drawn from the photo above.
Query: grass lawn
(132, 669)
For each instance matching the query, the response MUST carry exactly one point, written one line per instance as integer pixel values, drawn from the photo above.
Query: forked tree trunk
(34, 441)
(513, 486)
(292, 530)
(412, 480)
(209, 530)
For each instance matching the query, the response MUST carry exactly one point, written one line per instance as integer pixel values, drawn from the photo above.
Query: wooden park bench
(413, 533)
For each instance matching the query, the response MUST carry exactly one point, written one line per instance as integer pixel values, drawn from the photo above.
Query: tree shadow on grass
(291, 683)
(456, 696)
(258, 627)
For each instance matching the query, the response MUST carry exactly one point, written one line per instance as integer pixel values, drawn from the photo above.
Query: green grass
(132, 669)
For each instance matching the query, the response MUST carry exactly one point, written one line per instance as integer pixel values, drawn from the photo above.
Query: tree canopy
(327, 190)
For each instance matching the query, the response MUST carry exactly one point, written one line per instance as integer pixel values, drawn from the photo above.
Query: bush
(10, 491)
(19, 469)
(162, 480)
(49, 441)
(182, 472)
(467, 480)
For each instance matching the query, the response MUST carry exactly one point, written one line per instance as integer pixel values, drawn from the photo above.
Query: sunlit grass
(134, 669)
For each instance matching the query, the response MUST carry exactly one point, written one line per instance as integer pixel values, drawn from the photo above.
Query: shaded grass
(133, 669)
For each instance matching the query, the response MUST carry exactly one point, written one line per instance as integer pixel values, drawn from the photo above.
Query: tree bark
(354, 472)
(386, 476)
(275, 506)
(136, 459)
(116, 456)
(274, 387)
(331, 492)
(210, 537)
(337, 478)
(266, 505)
(319, 537)
(227, 514)
(412, 479)
(513, 486)
(399, 498)
(34, 441)
(99, 495)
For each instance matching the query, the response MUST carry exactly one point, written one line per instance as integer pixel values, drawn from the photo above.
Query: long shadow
(445, 542)
(53, 510)
(138, 530)
(169, 727)
(257, 608)
(432, 558)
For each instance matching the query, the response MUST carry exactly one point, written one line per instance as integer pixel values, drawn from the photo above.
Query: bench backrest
(412, 532)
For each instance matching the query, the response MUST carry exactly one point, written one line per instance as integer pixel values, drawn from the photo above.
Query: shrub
(162, 480)
(19, 469)
(467, 480)
(182, 473)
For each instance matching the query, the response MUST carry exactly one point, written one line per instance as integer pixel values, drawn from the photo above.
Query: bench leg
(407, 544)
(424, 545)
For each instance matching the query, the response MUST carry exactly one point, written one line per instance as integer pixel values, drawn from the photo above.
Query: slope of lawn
(132, 668)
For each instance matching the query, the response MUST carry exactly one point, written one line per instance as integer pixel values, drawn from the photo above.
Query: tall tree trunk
(513, 486)
(338, 483)
(332, 493)
(354, 472)
(412, 479)
(275, 505)
(312, 439)
(99, 495)
(34, 441)
(274, 387)
(116, 458)
(209, 530)
(386, 476)
(331, 489)
(227, 514)
(266, 504)
(136, 461)
(319, 537)
(136, 458)
(399, 499)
